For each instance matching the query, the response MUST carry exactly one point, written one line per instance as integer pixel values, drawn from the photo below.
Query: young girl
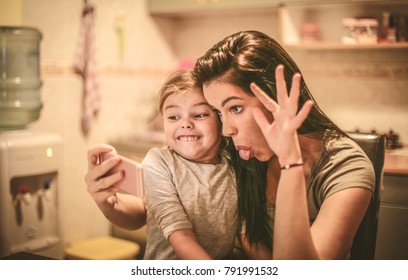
(191, 196)
(190, 190)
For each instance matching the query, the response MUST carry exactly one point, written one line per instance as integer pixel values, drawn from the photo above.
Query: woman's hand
(99, 183)
(281, 133)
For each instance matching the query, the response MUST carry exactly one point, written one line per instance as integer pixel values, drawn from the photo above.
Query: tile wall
(128, 87)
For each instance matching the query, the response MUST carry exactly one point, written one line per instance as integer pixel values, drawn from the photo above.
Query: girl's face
(235, 109)
(191, 127)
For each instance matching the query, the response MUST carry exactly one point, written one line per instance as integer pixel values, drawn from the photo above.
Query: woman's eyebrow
(229, 99)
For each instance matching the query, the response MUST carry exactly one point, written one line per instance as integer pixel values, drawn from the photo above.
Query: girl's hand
(99, 184)
(281, 134)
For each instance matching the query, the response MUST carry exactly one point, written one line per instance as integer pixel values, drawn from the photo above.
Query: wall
(10, 12)
(359, 89)
(127, 86)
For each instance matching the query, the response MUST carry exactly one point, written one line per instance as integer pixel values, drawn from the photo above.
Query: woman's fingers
(284, 101)
(294, 95)
(268, 102)
(281, 94)
(286, 107)
(302, 114)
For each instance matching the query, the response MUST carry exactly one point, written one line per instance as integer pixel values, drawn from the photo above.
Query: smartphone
(132, 183)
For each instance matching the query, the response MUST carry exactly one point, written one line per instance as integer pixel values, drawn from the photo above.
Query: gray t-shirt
(181, 194)
(341, 165)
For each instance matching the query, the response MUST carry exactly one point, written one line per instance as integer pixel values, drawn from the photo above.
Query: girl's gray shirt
(181, 194)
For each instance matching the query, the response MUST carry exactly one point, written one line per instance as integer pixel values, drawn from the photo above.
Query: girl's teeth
(189, 138)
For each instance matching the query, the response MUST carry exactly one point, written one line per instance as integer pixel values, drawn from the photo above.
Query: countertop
(396, 162)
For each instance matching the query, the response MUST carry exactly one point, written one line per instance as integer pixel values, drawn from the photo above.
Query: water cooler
(29, 160)
(29, 167)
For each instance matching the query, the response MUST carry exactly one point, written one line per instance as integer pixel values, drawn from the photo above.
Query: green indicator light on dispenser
(49, 152)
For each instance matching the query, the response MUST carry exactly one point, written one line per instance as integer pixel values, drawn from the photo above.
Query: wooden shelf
(339, 46)
(327, 20)
(191, 8)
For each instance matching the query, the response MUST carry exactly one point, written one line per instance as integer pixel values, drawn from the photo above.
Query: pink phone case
(132, 182)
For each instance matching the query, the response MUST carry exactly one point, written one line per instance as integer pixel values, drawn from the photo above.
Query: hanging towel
(85, 66)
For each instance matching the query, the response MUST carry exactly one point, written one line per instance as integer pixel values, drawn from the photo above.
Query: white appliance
(29, 173)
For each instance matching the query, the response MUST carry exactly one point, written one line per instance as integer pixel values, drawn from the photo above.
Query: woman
(303, 185)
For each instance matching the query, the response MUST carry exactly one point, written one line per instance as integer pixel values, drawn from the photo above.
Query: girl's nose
(187, 124)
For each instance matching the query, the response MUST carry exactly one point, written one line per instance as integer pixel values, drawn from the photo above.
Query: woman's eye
(217, 112)
(236, 109)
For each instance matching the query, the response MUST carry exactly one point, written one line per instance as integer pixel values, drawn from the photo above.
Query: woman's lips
(244, 152)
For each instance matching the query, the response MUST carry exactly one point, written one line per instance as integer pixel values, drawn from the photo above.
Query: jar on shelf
(309, 33)
(368, 31)
(402, 28)
(350, 31)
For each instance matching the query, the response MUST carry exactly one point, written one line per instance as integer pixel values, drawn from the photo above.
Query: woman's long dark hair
(239, 59)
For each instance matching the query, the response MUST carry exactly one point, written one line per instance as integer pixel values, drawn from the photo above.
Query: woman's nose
(228, 129)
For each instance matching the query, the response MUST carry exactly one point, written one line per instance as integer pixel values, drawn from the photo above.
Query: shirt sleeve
(348, 167)
(161, 195)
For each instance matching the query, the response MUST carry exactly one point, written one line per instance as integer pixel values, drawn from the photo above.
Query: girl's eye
(200, 116)
(173, 118)
(236, 109)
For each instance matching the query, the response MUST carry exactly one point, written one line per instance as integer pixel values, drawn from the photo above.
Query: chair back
(363, 247)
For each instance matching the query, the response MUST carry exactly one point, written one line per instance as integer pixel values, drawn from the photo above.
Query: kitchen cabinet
(392, 243)
(185, 8)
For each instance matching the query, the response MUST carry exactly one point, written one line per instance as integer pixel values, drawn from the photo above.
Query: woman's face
(191, 126)
(235, 109)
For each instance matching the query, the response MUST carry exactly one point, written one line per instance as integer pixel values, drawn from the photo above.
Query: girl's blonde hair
(180, 81)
